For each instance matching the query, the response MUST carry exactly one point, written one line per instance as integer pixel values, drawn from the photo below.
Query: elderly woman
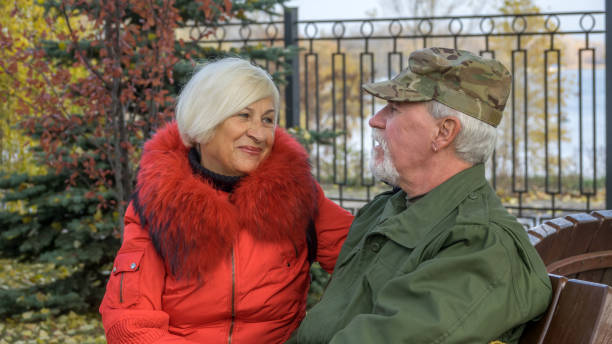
(216, 242)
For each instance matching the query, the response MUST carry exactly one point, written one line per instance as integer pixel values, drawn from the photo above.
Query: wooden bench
(579, 247)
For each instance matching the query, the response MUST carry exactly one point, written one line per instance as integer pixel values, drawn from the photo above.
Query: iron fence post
(608, 86)
(292, 87)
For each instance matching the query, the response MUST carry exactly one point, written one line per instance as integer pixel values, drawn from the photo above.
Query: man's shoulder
(482, 206)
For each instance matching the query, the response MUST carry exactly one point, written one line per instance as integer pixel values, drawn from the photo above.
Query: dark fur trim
(193, 226)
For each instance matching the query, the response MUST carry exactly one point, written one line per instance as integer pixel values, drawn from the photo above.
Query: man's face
(403, 135)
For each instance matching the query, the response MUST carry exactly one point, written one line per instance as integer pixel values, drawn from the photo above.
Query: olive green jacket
(453, 267)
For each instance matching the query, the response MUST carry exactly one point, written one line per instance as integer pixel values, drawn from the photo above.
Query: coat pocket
(123, 288)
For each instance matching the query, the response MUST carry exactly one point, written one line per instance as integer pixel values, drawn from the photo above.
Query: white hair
(218, 90)
(476, 139)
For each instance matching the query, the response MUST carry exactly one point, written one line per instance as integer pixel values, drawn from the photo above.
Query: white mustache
(377, 137)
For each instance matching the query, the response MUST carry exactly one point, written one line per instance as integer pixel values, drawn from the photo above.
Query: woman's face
(242, 141)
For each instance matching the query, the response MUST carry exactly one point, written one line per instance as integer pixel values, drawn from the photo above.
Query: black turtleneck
(218, 181)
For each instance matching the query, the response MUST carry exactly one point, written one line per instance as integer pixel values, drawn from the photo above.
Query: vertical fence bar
(523, 188)
(292, 89)
(592, 190)
(608, 107)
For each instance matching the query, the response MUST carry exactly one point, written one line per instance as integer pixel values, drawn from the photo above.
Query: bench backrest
(577, 246)
(580, 312)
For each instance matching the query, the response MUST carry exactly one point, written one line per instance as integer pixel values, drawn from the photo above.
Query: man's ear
(448, 129)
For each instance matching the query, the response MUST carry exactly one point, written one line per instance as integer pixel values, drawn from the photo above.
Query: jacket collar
(193, 225)
(408, 226)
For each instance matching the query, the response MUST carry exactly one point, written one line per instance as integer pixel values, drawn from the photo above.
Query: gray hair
(218, 90)
(476, 139)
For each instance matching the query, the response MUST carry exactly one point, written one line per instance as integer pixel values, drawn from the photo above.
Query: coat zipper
(231, 330)
(121, 289)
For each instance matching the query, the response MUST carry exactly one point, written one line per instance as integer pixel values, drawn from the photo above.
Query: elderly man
(438, 259)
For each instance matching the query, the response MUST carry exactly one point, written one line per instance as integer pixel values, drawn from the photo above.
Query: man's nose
(377, 121)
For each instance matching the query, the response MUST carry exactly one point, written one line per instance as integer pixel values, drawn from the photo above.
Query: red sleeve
(332, 224)
(131, 308)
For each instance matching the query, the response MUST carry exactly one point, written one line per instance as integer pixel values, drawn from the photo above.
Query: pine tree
(62, 217)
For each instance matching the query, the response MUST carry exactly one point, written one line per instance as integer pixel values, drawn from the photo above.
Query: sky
(342, 9)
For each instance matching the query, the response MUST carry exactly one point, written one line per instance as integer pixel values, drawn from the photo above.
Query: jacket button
(472, 196)
(375, 247)
(133, 266)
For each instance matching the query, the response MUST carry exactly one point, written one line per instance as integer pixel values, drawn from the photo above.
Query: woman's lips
(251, 150)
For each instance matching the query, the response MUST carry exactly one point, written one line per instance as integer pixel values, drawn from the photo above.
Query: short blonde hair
(218, 90)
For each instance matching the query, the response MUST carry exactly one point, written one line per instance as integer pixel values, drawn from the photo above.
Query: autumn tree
(14, 146)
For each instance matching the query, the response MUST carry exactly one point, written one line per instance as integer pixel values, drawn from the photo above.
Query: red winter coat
(198, 265)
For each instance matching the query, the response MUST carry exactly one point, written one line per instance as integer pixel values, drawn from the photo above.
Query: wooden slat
(582, 262)
(581, 314)
(548, 248)
(604, 333)
(535, 332)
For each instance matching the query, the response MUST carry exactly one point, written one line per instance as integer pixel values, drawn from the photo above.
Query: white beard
(384, 170)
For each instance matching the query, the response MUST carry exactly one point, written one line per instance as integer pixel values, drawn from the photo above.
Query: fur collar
(193, 226)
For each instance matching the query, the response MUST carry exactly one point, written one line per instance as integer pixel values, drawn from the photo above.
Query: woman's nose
(256, 131)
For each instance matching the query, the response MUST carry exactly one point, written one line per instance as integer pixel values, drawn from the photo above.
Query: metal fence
(550, 156)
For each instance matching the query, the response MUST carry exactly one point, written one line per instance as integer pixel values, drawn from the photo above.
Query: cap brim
(392, 90)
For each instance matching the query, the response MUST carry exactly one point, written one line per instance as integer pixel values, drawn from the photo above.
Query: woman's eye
(243, 115)
(268, 120)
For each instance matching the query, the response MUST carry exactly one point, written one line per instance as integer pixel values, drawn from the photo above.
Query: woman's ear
(448, 129)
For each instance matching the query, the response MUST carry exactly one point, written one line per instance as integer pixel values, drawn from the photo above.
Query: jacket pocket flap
(128, 261)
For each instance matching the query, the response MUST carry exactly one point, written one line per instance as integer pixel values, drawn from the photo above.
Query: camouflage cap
(474, 85)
